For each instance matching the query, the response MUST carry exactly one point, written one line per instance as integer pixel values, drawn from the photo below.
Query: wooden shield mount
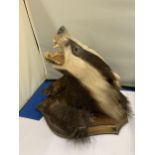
(99, 123)
(103, 124)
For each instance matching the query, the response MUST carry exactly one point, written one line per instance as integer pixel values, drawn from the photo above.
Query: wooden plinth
(103, 124)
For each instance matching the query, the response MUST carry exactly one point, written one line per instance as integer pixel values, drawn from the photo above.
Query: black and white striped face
(87, 66)
(78, 59)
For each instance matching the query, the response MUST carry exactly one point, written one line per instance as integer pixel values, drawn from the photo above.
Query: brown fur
(89, 87)
(67, 121)
(69, 107)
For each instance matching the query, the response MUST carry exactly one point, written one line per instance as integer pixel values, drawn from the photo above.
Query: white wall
(32, 72)
(104, 25)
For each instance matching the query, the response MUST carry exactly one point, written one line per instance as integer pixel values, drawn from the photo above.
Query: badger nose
(61, 30)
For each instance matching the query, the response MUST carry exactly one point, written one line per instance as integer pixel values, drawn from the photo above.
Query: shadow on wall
(43, 24)
(45, 29)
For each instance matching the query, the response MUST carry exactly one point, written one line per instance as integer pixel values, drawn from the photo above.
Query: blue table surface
(30, 108)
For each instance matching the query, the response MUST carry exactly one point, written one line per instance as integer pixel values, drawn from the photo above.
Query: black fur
(67, 121)
(125, 104)
(69, 106)
(69, 90)
(93, 60)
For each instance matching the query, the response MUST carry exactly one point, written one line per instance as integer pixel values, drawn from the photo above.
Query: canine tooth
(55, 46)
(46, 54)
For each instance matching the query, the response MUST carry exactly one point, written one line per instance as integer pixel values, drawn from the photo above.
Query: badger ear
(62, 30)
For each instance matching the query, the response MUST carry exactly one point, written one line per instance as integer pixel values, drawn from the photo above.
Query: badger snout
(55, 57)
(62, 29)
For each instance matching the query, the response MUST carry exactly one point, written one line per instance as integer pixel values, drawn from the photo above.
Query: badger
(88, 87)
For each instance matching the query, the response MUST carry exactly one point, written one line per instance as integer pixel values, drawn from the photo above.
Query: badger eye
(76, 49)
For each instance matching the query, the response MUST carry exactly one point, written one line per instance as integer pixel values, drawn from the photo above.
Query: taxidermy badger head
(90, 69)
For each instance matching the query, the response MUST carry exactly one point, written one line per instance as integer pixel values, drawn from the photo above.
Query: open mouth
(56, 58)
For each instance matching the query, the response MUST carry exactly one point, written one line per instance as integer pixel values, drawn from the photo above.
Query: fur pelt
(88, 87)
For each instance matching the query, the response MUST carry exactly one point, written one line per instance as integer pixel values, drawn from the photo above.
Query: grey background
(106, 26)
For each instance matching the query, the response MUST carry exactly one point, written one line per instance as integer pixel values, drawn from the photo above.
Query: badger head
(78, 59)
(88, 67)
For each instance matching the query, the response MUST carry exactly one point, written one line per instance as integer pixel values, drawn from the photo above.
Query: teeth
(54, 58)
(46, 54)
(55, 46)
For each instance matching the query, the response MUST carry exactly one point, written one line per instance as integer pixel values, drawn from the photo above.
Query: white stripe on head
(117, 81)
(91, 78)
